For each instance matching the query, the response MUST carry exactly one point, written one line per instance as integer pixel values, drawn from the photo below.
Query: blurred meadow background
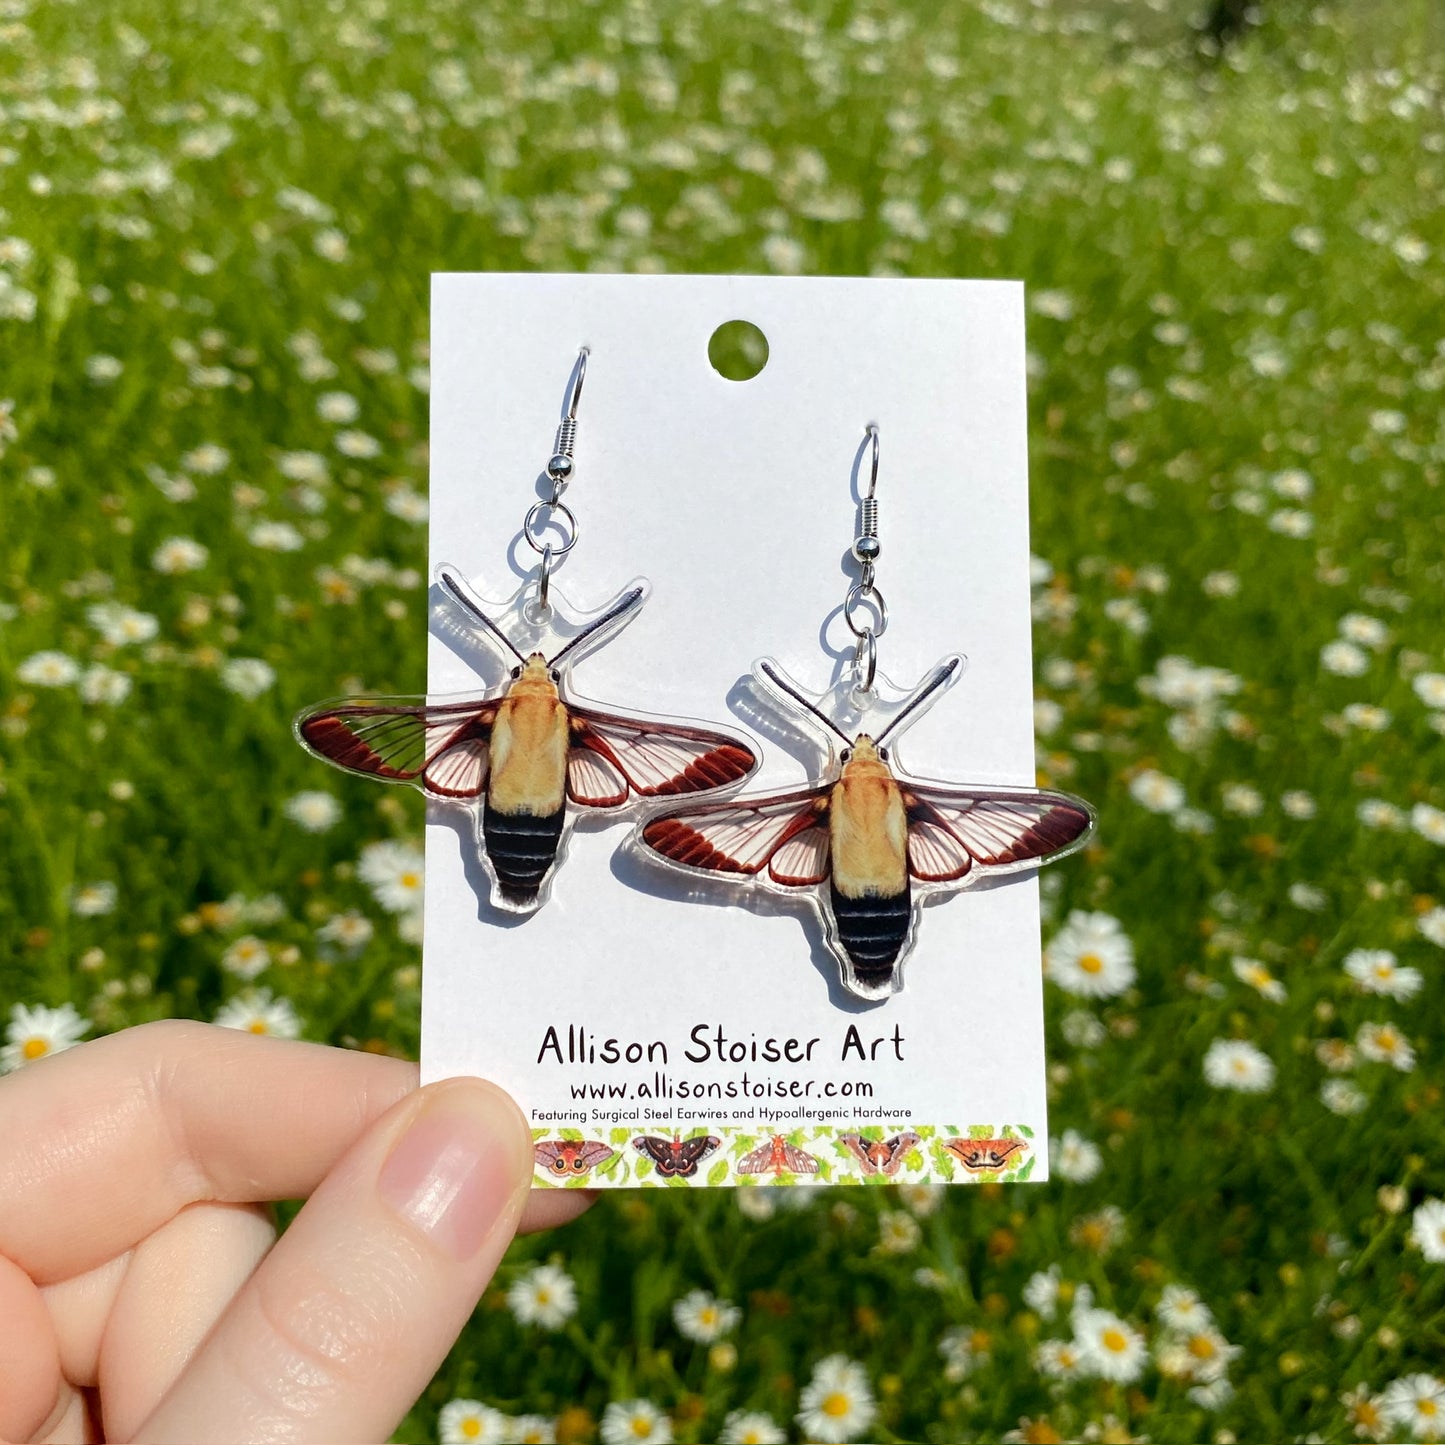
(216, 228)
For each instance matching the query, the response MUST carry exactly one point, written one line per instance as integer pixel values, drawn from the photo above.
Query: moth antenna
(455, 588)
(941, 676)
(624, 604)
(777, 680)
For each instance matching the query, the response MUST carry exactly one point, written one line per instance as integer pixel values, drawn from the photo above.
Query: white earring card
(659, 1026)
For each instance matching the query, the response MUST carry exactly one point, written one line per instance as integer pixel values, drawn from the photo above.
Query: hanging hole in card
(738, 350)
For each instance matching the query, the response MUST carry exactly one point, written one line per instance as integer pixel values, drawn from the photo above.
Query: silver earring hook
(864, 593)
(552, 513)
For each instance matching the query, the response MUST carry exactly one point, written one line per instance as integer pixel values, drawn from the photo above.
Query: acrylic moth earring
(865, 843)
(526, 758)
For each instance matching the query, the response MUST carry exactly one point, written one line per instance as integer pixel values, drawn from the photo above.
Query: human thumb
(339, 1330)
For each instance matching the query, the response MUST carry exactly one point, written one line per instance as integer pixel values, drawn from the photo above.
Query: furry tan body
(868, 827)
(529, 746)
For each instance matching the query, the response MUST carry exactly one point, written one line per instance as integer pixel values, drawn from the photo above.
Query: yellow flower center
(707, 1317)
(1383, 970)
(1203, 1348)
(1091, 963)
(1428, 1408)
(836, 1404)
(1366, 1415)
(1387, 1040)
(1115, 1340)
(258, 1026)
(471, 1427)
(411, 880)
(544, 1296)
(641, 1426)
(35, 1048)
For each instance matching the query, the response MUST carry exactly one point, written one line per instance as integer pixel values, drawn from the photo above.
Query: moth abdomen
(872, 930)
(522, 848)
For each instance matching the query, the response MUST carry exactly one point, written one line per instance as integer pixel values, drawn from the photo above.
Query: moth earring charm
(865, 842)
(526, 757)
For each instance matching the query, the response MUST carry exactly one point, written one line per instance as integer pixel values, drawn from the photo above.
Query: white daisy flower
(395, 873)
(1298, 804)
(339, 407)
(92, 900)
(531, 1430)
(1432, 925)
(275, 537)
(699, 1316)
(1385, 1044)
(36, 1032)
(1207, 1353)
(1259, 978)
(1362, 1408)
(1366, 630)
(1416, 1403)
(256, 1012)
(1075, 1158)
(1342, 1097)
(922, 1199)
(469, 1422)
(357, 444)
(1429, 822)
(1111, 1347)
(207, 459)
(247, 677)
(1091, 956)
(751, 1427)
(1377, 813)
(122, 626)
(1041, 1292)
(898, 1232)
(247, 958)
(350, 930)
(1367, 717)
(1237, 1064)
(963, 1349)
(1344, 659)
(1242, 799)
(635, 1422)
(1181, 1309)
(313, 811)
(1060, 1360)
(1212, 1396)
(755, 1204)
(1156, 791)
(104, 685)
(179, 554)
(1375, 970)
(1427, 1230)
(1430, 688)
(544, 1296)
(409, 505)
(303, 467)
(48, 669)
(837, 1402)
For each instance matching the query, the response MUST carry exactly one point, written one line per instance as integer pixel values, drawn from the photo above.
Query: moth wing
(658, 1150)
(950, 830)
(799, 1161)
(747, 835)
(857, 1146)
(612, 755)
(898, 1147)
(693, 1151)
(443, 746)
(548, 1152)
(756, 1161)
(594, 1152)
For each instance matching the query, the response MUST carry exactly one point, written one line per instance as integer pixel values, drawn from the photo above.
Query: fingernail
(455, 1170)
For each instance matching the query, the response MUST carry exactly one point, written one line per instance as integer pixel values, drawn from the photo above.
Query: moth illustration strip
(747, 1156)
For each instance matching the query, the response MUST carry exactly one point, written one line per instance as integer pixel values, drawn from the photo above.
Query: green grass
(1247, 254)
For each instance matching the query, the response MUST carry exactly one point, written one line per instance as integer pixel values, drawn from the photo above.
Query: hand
(143, 1292)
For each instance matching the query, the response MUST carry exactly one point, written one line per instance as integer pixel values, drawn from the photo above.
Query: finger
(341, 1328)
(547, 1208)
(29, 1357)
(178, 1284)
(102, 1144)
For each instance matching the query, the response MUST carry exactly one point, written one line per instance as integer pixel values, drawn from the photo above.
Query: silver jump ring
(554, 510)
(858, 594)
(544, 579)
(865, 660)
